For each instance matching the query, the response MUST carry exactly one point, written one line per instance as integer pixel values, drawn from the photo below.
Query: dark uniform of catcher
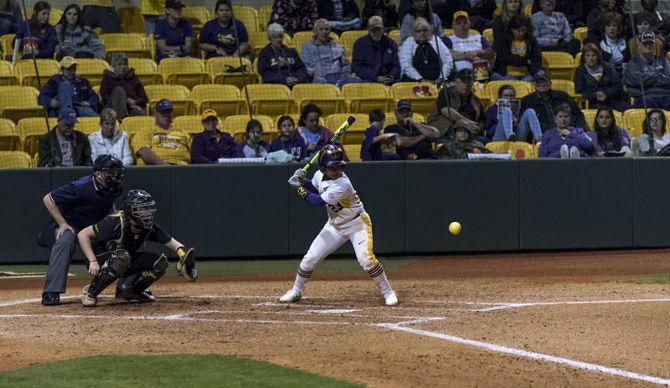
(114, 249)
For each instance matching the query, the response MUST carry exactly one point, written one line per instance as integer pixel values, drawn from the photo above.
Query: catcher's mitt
(186, 264)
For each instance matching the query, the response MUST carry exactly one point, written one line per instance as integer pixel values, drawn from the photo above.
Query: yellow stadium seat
(6, 46)
(568, 87)
(528, 9)
(300, 37)
(269, 99)
(522, 88)
(521, 150)
(134, 45)
(364, 97)
(31, 129)
(134, 124)
(88, 125)
(183, 71)
(7, 76)
(91, 69)
(197, 15)
(131, 20)
(590, 118)
(178, 94)
(421, 103)
(15, 159)
(325, 96)
(259, 39)
(633, 120)
(559, 64)
(264, 14)
(348, 38)
(146, 70)
(355, 133)
(488, 34)
(191, 124)
(498, 147)
(217, 68)
(9, 137)
(18, 102)
(151, 43)
(237, 125)
(394, 35)
(224, 99)
(25, 71)
(54, 15)
(450, 31)
(581, 33)
(247, 15)
(353, 152)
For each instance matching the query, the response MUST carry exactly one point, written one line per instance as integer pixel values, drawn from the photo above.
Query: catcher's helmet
(113, 167)
(331, 155)
(140, 208)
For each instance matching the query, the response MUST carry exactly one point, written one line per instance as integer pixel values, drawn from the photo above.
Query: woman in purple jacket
(278, 64)
(565, 141)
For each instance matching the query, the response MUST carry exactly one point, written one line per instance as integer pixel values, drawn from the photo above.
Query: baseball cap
(541, 75)
(174, 4)
(648, 37)
(68, 116)
(207, 113)
(164, 105)
(67, 62)
(459, 14)
(465, 75)
(375, 21)
(403, 104)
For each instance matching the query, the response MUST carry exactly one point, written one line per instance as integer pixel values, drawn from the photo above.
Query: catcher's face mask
(143, 214)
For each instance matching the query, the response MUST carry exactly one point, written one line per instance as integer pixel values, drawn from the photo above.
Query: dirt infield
(507, 320)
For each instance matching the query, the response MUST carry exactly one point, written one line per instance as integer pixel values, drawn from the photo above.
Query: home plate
(332, 311)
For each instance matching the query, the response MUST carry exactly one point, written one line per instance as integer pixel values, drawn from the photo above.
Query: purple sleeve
(370, 134)
(269, 75)
(447, 42)
(242, 34)
(229, 151)
(485, 43)
(159, 32)
(314, 199)
(206, 35)
(198, 151)
(92, 98)
(307, 184)
(582, 140)
(546, 144)
(49, 44)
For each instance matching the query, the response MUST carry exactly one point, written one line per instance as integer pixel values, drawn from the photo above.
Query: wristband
(181, 252)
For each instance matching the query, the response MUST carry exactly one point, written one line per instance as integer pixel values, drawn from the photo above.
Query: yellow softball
(455, 228)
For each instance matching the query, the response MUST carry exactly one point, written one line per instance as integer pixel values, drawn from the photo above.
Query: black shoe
(50, 298)
(129, 295)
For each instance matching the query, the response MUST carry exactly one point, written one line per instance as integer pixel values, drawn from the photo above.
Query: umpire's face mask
(111, 178)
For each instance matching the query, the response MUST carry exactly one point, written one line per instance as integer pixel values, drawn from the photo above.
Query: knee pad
(160, 265)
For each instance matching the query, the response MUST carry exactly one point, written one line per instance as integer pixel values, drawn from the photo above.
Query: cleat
(88, 300)
(50, 298)
(291, 297)
(391, 299)
(129, 295)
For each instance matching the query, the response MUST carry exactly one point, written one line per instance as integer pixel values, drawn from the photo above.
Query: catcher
(114, 245)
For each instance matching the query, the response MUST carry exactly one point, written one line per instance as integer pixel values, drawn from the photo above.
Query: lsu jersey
(342, 202)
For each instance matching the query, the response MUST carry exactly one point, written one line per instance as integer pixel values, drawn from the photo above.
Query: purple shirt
(213, 33)
(295, 146)
(172, 36)
(205, 149)
(373, 151)
(46, 39)
(552, 142)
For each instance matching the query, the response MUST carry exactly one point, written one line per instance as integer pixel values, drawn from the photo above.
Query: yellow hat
(458, 14)
(207, 113)
(66, 62)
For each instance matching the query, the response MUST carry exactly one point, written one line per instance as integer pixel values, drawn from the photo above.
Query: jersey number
(335, 208)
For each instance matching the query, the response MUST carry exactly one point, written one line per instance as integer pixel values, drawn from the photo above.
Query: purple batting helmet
(331, 155)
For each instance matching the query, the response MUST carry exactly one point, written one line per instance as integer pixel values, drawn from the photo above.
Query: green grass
(656, 278)
(163, 371)
(243, 267)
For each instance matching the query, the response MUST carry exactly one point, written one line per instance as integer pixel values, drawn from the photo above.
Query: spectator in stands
(552, 30)
(63, 146)
(253, 146)
(343, 15)
(68, 90)
(325, 59)
(211, 144)
(565, 141)
(419, 9)
(314, 134)
(573, 11)
(660, 21)
(457, 104)
(654, 135)
(466, 48)
(609, 137)
(509, 124)
(519, 48)
(385, 9)
(151, 10)
(109, 140)
(174, 34)
(544, 101)
(480, 11)
(294, 15)
(648, 72)
(643, 23)
(164, 144)
(218, 36)
(424, 58)
(614, 47)
(375, 56)
(462, 143)
(278, 64)
(413, 139)
(508, 9)
(377, 145)
(74, 38)
(289, 139)
(598, 82)
(101, 14)
(42, 40)
(10, 16)
(122, 90)
(596, 18)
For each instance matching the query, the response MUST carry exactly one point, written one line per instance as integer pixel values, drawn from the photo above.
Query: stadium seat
(536, 149)
(91, 69)
(568, 87)
(54, 15)
(134, 124)
(218, 69)
(269, 99)
(264, 15)
(559, 64)
(364, 97)
(25, 71)
(522, 88)
(134, 45)
(18, 102)
(581, 33)
(259, 39)
(146, 70)
(197, 15)
(450, 31)
(15, 159)
(498, 147)
(521, 150)
(9, 137)
(300, 37)
(87, 125)
(236, 125)
(355, 133)
(31, 129)
(178, 94)
(394, 35)
(6, 46)
(633, 120)
(131, 20)
(325, 96)
(590, 117)
(183, 71)
(353, 152)
(348, 38)
(528, 9)
(488, 34)
(191, 124)
(224, 99)
(421, 103)
(247, 15)
(7, 76)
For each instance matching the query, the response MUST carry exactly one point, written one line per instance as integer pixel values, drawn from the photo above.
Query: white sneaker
(291, 297)
(88, 300)
(391, 299)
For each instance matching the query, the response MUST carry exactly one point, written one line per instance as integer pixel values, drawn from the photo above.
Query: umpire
(73, 207)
